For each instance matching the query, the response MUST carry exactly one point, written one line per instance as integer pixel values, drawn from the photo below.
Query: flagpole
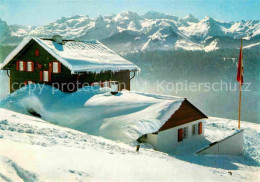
(240, 82)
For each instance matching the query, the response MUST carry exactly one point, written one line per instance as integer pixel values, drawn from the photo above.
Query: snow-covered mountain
(129, 31)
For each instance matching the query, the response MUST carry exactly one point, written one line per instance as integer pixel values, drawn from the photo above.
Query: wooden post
(239, 110)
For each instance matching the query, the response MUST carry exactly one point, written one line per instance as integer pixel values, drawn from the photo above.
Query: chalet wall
(28, 54)
(63, 80)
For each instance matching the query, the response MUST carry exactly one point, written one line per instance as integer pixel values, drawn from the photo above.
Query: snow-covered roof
(79, 56)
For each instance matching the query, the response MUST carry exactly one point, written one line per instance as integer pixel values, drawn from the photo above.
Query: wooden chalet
(65, 64)
(185, 124)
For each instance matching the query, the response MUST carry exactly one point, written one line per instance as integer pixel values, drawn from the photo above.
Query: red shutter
(200, 127)
(37, 52)
(17, 65)
(24, 65)
(32, 66)
(39, 66)
(40, 75)
(180, 134)
(49, 74)
(50, 67)
(59, 67)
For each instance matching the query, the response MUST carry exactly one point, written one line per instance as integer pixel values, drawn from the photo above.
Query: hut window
(37, 52)
(185, 132)
(194, 129)
(22, 66)
(56, 67)
(46, 76)
(30, 66)
(38, 66)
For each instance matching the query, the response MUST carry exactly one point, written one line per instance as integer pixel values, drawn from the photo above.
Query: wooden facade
(185, 114)
(42, 62)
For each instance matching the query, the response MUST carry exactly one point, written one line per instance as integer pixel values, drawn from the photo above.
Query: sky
(40, 12)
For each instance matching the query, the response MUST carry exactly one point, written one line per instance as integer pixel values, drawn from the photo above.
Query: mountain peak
(127, 15)
(208, 18)
(190, 18)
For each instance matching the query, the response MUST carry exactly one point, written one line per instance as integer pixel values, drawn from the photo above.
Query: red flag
(240, 69)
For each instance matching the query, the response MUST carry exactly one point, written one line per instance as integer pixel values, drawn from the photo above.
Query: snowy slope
(125, 116)
(32, 149)
(129, 31)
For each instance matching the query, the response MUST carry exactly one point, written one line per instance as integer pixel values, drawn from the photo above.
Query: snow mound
(125, 116)
(4, 80)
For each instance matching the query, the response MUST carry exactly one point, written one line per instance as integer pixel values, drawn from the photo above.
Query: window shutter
(59, 67)
(50, 66)
(24, 65)
(39, 66)
(200, 127)
(17, 65)
(32, 66)
(40, 75)
(180, 134)
(49, 76)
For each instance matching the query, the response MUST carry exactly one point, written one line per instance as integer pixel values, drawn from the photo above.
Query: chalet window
(194, 129)
(56, 67)
(22, 66)
(30, 66)
(37, 52)
(185, 132)
(38, 66)
(46, 76)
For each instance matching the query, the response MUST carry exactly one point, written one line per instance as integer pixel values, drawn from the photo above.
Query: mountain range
(129, 31)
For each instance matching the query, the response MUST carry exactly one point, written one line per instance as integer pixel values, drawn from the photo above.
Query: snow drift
(125, 116)
(4, 80)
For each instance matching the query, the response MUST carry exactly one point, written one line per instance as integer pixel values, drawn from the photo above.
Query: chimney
(114, 87)
(58, 39)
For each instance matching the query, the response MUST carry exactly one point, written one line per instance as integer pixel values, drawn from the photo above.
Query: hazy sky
(38, 12)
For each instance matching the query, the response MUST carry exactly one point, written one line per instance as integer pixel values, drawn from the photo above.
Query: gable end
(185, 114)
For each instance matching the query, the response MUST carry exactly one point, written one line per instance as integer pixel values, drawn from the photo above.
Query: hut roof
(79, 56)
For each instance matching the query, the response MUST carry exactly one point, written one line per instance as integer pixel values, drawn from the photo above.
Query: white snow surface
(80, 56)
(4, 80)
(32, 149)
(124, 117)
